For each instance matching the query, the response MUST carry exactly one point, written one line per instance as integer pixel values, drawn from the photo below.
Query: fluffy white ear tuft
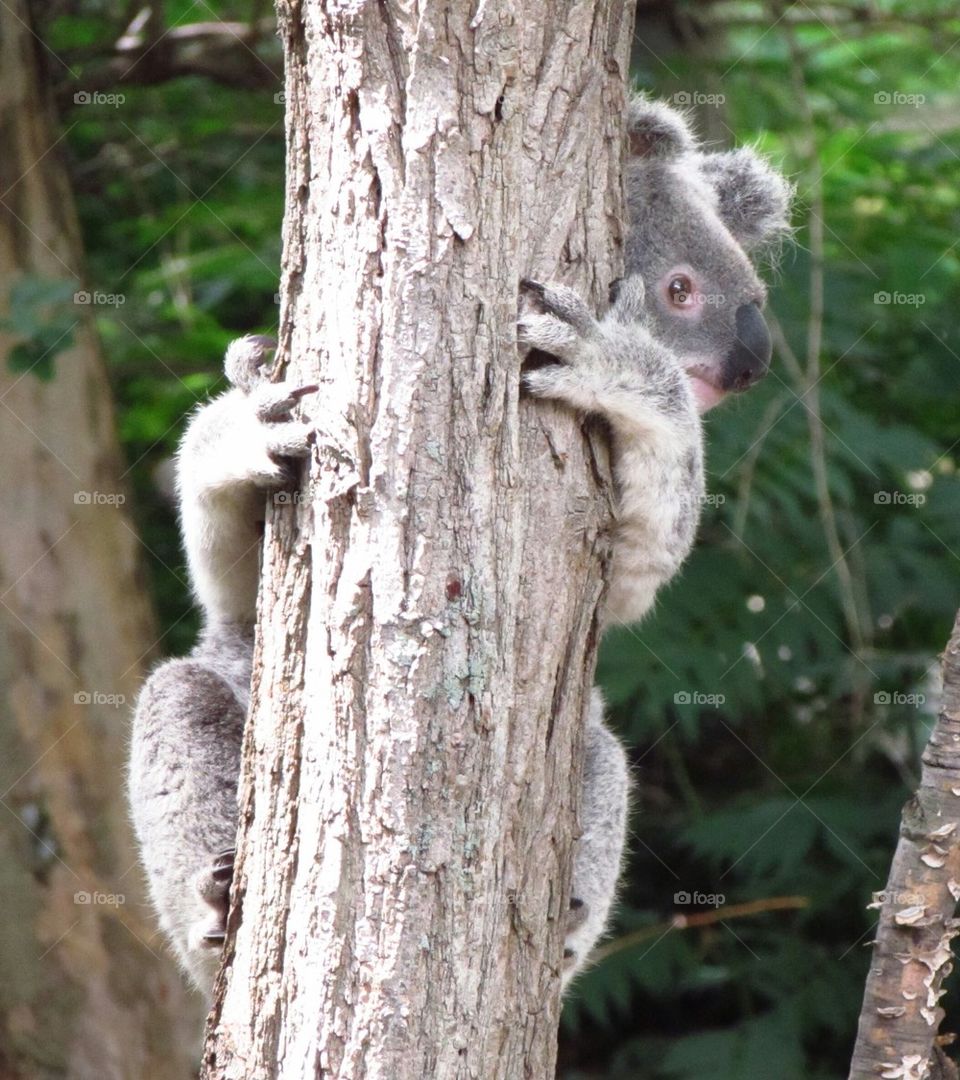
(753, 198)
(657, 130)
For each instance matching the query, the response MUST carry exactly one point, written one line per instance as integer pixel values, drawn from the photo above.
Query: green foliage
(771, 702)
(179, 187)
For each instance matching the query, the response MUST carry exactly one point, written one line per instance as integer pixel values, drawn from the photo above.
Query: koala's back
(188, 725)
(184, 765)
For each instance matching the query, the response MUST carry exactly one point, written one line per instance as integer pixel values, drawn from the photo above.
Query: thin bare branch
(727, 913)
(857, 623)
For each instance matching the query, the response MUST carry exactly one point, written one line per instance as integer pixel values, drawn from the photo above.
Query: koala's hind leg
(184, 765)
(213, 886)
(603, 816)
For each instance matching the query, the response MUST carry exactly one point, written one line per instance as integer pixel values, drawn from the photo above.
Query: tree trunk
(429, 610)
(83, 992)
(898, 1034)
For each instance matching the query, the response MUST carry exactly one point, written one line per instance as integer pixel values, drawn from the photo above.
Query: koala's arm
(616, 369)
(188, 724)
(234, 451)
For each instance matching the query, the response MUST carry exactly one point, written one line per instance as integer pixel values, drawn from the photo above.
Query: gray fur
(753, 199)
(641, 366)
(700, 212)
(188, 725)
(603, 825)
(184, 767)
(656, 130)
(650, 367)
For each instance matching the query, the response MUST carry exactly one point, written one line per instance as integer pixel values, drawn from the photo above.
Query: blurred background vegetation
(776, 704)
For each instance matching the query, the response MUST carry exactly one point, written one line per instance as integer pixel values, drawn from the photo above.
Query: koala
(650, 366)
(188, 723)
(684, 329)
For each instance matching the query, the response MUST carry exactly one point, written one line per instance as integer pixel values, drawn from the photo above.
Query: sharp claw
(220, 874)
(302, 391)
(215, 937)
(529, 285)
(615, 286)
(578, 914)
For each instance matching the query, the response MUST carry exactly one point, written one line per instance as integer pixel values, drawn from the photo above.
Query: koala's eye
(680, 290)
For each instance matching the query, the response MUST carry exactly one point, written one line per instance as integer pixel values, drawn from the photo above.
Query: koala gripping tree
(428, 613)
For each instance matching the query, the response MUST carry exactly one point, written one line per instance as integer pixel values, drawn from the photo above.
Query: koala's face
(693, 218)
(703, 296)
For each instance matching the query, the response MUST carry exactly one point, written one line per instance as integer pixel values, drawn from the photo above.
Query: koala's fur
(702, 213)
(651, 368)
(646, 369)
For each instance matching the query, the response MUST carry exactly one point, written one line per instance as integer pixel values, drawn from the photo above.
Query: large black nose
(749, 358)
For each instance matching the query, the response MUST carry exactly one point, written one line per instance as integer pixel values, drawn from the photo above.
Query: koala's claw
(283, 437)
(577, 915)
(274, 401)
(563, 303)
(213, 885)
(557, 322)
(223, 866)
(301, 391)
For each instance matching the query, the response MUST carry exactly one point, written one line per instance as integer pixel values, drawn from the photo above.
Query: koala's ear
(753, 199)
(655, 130)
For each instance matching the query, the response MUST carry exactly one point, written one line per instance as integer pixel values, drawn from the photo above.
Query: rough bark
(83, 991)
(429, 609)
(901, 1015)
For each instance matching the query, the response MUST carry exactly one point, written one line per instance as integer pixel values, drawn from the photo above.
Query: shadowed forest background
(776, 704)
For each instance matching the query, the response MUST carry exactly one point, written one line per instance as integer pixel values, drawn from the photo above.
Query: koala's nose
(749, 358)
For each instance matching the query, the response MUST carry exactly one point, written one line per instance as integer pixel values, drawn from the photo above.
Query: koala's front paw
(260, 415)
(573, 947)
(556, 321)
(245, 438)
(213, 886)
(283, 436)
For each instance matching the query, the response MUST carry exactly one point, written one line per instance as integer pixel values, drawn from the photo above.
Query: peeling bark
(897, 1037)
(428, 612)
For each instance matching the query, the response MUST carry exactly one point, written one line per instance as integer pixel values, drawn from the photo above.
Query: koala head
(695, 220)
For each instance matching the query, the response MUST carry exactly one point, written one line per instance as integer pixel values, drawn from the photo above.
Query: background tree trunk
(83, 991)
(428, 618)
(898, 1032)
